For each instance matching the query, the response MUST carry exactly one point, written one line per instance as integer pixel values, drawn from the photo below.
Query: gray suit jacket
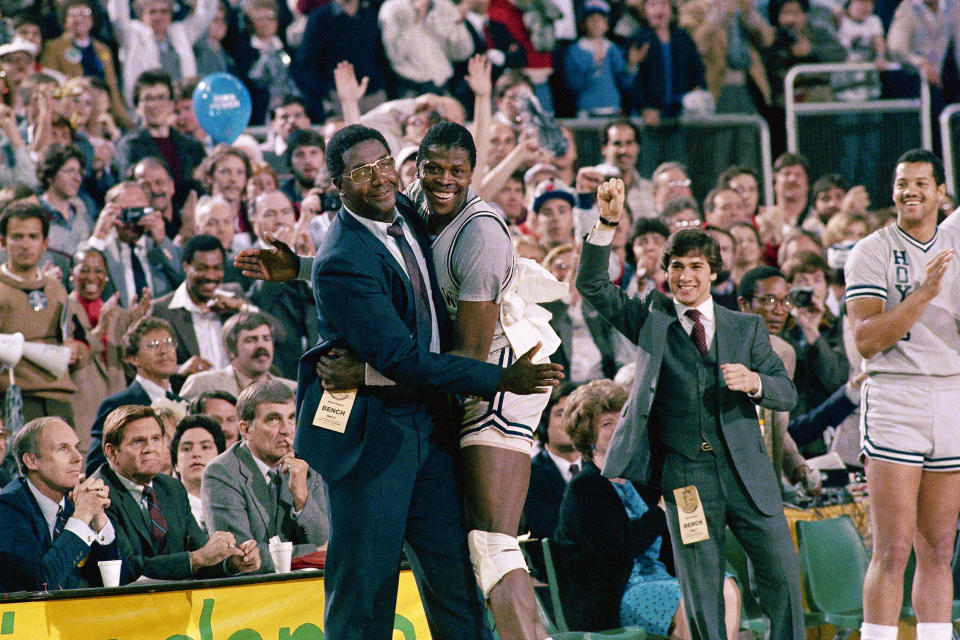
(236, 498)
(739, 338)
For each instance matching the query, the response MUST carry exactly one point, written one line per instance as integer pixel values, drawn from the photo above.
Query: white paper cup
(281, 554)
(110, 572)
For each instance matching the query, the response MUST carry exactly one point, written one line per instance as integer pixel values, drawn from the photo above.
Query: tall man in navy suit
(53, 528)
(690, 425)
(389, 479)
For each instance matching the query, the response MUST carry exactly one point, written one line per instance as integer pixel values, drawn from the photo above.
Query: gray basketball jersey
(889, 265)
(484, 264)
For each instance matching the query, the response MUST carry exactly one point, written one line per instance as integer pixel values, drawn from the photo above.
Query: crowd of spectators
(168, 441)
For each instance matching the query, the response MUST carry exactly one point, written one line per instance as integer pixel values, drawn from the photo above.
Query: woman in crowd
(100, 324)
(60, 174)
(746, 182)
(747, 249)
(609, 538)
(225, 172)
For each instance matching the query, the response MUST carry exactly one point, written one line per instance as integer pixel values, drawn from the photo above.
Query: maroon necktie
(698, 333)
(421, 298)
(158, 530)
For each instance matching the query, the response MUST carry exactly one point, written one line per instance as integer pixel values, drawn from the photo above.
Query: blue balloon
(222, 105)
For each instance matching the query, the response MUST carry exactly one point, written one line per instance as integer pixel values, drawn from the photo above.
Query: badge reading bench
(693, 523)
(334, 410)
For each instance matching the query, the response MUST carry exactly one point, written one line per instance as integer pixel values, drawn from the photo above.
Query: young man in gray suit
(690, 425)
(258, 488)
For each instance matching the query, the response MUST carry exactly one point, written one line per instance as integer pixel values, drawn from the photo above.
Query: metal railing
(946, 140)
(793, 108)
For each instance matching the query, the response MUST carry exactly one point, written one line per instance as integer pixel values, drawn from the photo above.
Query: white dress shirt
(379, 230)
(49, 509)
(206, 325)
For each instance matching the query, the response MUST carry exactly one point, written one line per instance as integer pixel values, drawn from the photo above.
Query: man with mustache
(248, 339)
(258, 488)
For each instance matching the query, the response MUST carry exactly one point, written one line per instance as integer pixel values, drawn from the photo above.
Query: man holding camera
(814, 332)
(132, 237)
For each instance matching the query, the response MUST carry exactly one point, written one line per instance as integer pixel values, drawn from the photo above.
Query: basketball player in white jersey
(901, 298)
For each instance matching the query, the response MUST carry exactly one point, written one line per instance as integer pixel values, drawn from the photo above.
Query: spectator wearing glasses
(670, 182)
(682, 214)
(150, 348)
(764, 292)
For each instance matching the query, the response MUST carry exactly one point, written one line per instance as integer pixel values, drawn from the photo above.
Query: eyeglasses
(364, 173)
(683, 224)
(159, 345)
(679, 183)
(80, 11)
(769, 303)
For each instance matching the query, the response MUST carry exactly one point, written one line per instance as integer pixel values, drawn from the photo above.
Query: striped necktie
(158, 529)
(61, 522)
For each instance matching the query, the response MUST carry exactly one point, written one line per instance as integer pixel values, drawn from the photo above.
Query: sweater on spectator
(34, 308)
(597, 86)
(652, 83)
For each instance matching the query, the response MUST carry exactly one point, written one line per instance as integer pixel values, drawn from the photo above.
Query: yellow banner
(278, 610)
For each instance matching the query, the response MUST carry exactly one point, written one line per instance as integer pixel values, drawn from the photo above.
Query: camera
(330, 201)
(802, 296)
(132, 215)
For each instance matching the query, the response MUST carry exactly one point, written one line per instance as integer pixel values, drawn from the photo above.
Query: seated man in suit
(221, 406)
(47, 541)
(198, 308)
(196, 441)
(551, 469)
(140, 257)
(157, 534)
(259, 488)
(248, 338)
(148, 347)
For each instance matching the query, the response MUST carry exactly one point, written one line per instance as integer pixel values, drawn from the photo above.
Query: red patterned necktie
(158, 530)
(698, 333)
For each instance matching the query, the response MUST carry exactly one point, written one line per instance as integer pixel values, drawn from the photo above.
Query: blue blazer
(30, 560)
(650, 83)
(365, 301)
(134, 394)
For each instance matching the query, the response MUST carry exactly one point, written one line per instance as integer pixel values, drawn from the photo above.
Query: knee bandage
(493, 555)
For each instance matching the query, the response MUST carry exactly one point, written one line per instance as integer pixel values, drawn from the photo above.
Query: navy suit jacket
(30, 560)
(365, 300)
(140, 554)
(134, 394)
(541, 511)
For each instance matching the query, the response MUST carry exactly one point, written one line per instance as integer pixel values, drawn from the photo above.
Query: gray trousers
(700, 566)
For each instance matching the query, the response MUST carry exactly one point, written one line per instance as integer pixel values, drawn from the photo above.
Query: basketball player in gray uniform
(476, 267)
(902, 301)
